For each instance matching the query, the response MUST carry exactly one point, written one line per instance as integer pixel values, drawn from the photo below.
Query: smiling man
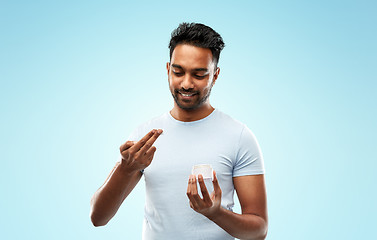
(164, 150)
(187, 62)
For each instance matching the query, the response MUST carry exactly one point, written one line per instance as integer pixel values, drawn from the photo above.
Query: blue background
(78, 76)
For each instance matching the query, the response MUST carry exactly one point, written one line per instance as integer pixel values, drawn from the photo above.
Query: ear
(216, 75)
(168, 67)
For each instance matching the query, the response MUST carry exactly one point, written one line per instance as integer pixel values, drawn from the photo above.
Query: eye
(199, 76)
(178, 74)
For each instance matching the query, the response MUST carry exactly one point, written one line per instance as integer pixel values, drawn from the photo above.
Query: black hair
(198, 35)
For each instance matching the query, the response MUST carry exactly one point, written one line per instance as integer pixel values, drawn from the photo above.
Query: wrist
(215, 215)
(126, 170)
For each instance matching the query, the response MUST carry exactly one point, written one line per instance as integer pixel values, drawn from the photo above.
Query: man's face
(191, 73)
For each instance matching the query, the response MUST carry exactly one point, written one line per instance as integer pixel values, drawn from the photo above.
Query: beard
(190, 105)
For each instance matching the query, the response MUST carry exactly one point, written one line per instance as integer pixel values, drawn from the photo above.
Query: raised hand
(209, 205)
(136, 156)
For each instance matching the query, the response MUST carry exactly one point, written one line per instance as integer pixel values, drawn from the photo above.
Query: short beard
(193, 107)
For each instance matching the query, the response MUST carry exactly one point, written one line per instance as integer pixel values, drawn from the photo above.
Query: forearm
(108, 198)
(242, 226)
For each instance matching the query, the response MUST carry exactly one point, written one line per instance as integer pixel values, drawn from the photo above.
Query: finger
(198, 201)
(191, 192)
(150, 152)
(126, 145)
(216, 185)
(149, 155)
(136, 147)
(150, 142)
(204, 190)
(124, 150)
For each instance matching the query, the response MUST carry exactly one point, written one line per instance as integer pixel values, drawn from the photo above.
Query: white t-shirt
(226, 144)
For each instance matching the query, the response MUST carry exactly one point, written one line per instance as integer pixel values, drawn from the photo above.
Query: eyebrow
(196, 69)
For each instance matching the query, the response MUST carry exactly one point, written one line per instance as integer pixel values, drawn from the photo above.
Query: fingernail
(159, 131)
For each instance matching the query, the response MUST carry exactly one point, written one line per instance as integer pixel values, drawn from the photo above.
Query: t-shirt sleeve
(249, 159)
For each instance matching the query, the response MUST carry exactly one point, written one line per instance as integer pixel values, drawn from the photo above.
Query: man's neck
(191, 115)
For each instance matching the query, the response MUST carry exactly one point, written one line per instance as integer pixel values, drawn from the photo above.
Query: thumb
(216, 186)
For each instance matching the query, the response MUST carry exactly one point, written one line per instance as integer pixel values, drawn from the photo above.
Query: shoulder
(229, 123)
(236, 129)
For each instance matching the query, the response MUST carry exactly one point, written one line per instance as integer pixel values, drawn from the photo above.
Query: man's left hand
(209, 205)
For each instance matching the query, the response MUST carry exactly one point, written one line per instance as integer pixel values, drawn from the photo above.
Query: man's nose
(187, 82)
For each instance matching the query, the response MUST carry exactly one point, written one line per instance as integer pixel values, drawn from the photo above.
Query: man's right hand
(137, 156)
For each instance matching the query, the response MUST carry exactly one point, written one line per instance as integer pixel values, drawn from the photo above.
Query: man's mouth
(187, 94)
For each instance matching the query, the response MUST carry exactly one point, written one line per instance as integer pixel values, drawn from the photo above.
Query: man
(193, 132)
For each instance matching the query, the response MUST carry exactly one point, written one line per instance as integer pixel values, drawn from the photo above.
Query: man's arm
(251, 224)
(108, 198)
(123, 178)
